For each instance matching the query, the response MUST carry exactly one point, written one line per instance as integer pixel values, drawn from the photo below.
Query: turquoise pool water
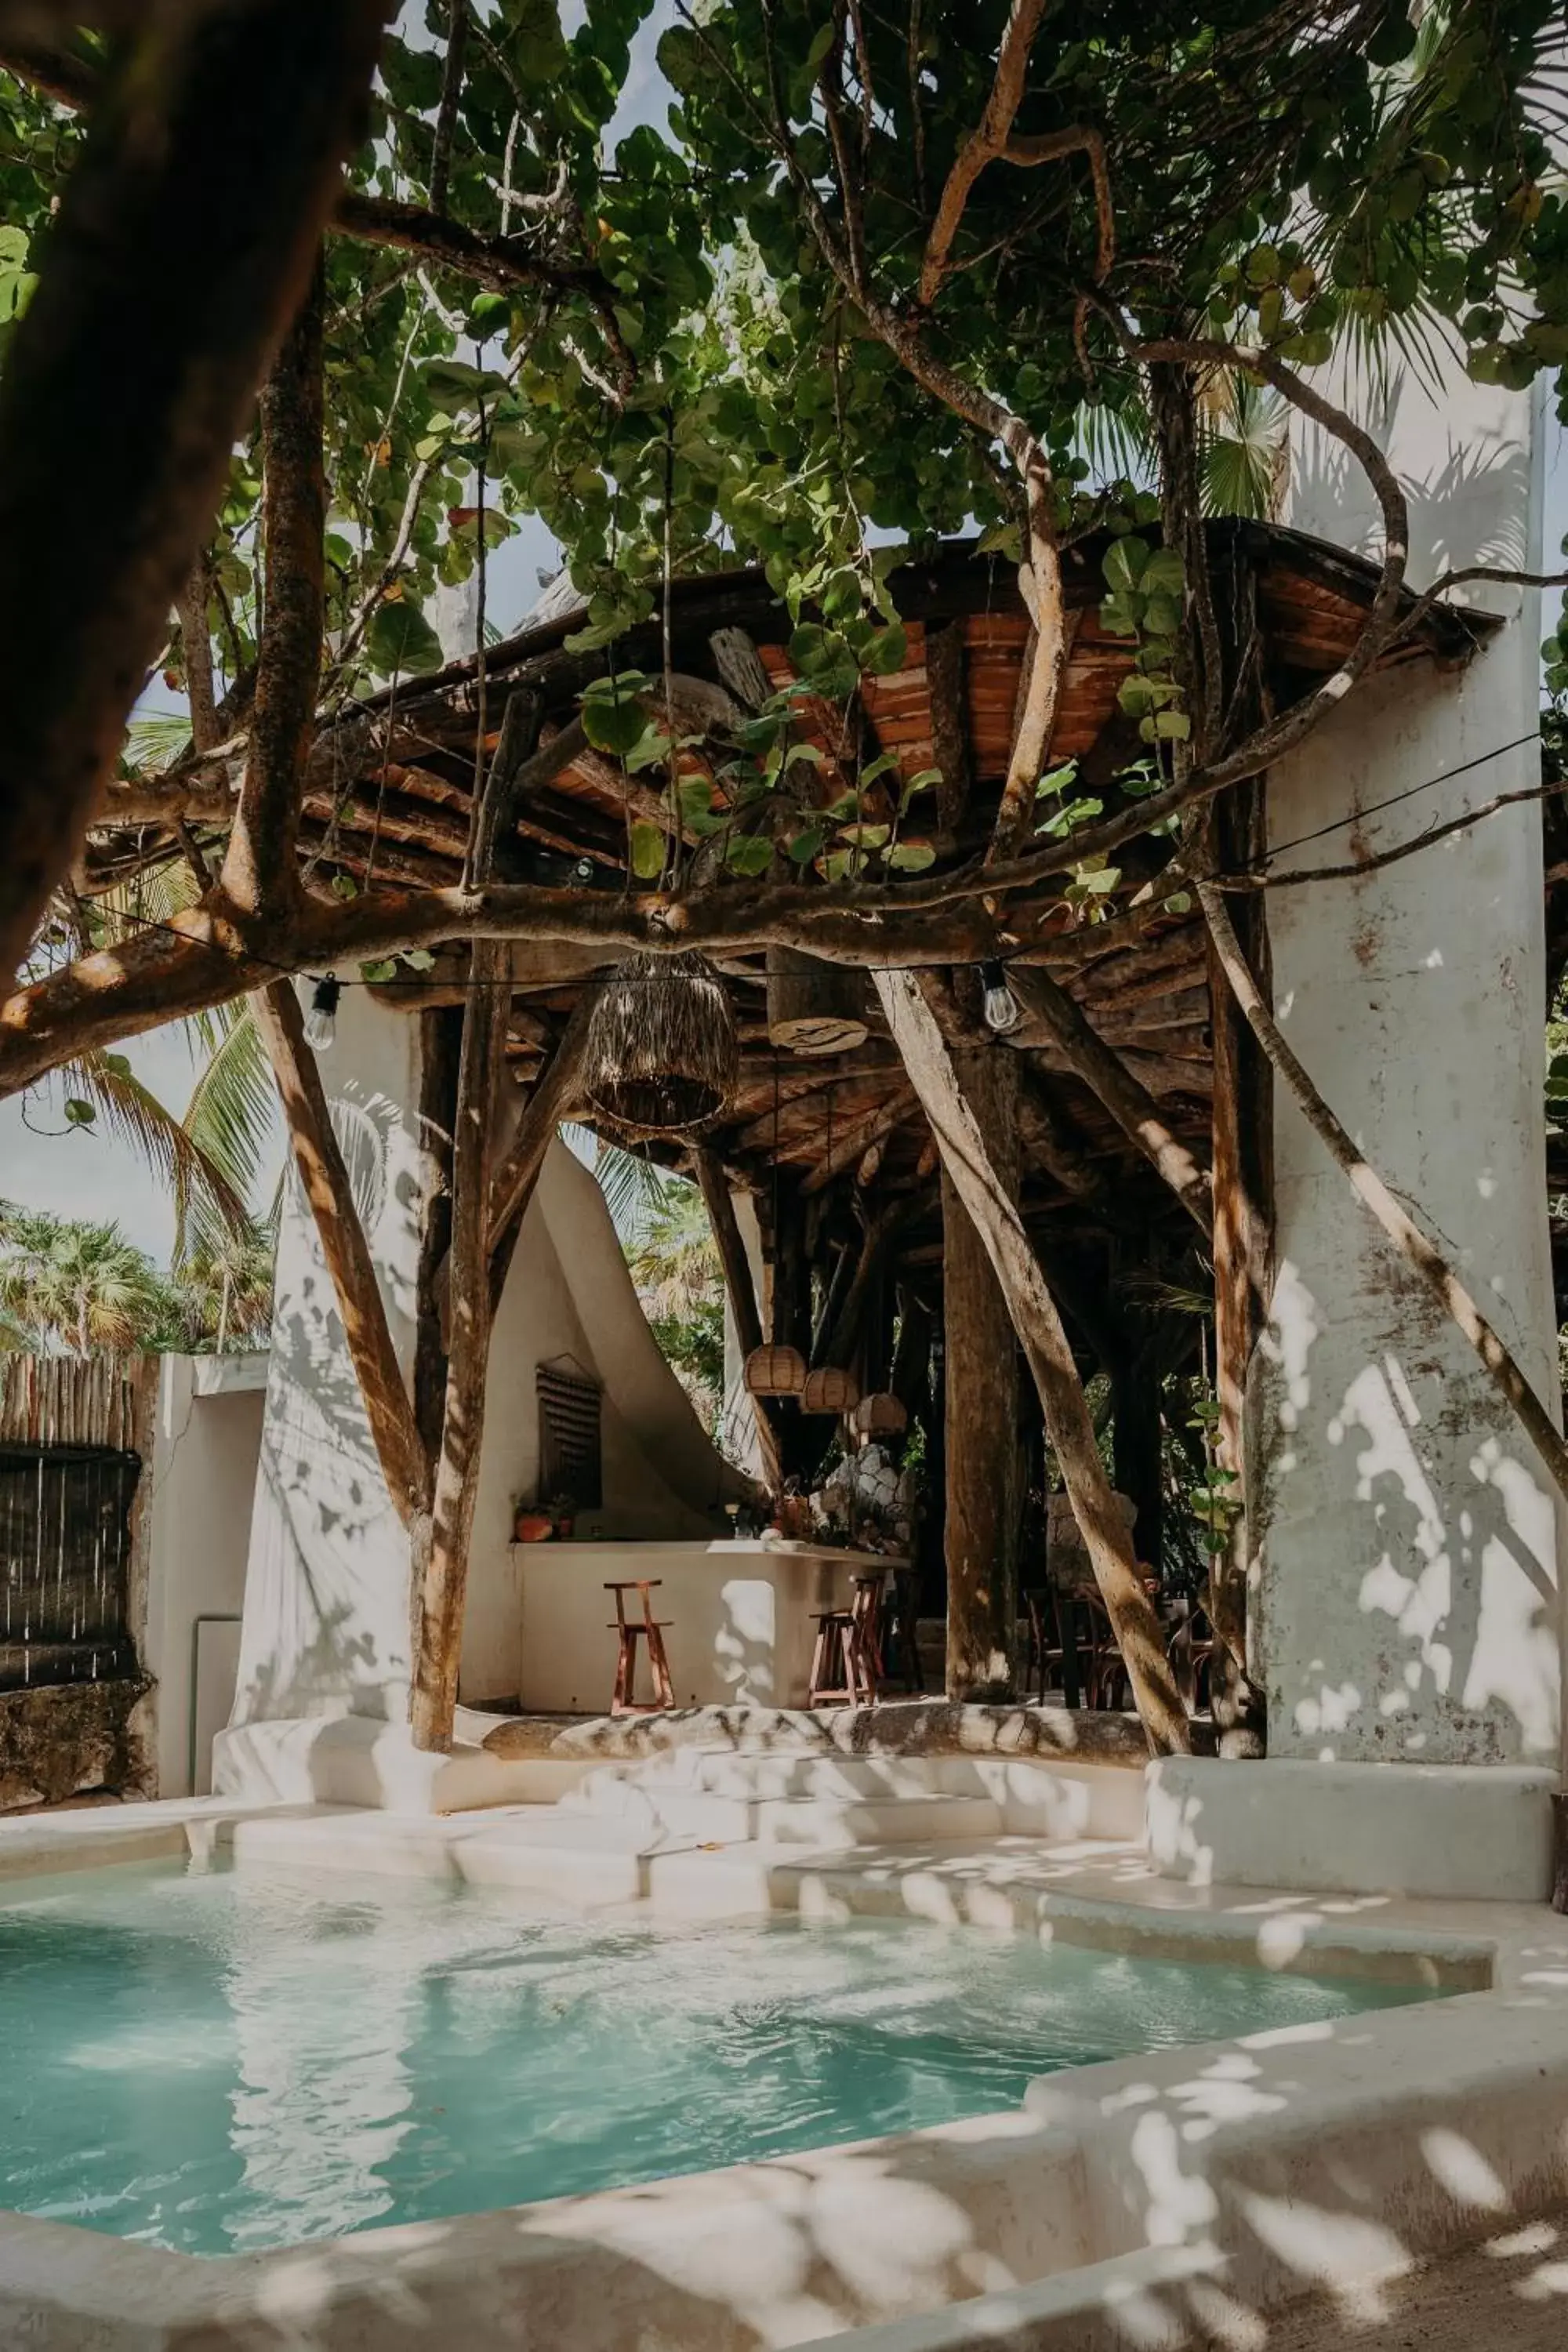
(220, 2061)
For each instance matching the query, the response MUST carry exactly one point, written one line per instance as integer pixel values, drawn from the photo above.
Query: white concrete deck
(1133, 2205)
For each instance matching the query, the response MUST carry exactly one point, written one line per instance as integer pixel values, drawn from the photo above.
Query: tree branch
(186, 234)
(451, 97)
(198, 653)
(1419, 1251)
(325, 1178)
(261, 875)
(501, 263)
(984, 143)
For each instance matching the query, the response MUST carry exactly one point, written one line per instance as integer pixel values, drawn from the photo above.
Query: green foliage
(1280, 172)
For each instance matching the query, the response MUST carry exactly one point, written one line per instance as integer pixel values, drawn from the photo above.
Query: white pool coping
(1126, 2205)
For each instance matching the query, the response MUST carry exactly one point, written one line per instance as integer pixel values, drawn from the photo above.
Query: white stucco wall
(327, 1592)
(569, 1293)
(1408, 1606)
(326, 1600)
(207, 1443)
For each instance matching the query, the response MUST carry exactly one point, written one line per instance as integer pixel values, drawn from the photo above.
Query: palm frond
(155, 896)
(1243, 441)
(133, 1114)
(154, 738)
(229, 1118)
(1117, 437)
(635, 1188)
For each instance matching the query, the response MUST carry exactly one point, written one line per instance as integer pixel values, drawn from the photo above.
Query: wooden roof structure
(388, 797)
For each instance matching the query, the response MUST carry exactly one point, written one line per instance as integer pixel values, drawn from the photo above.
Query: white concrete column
(1408, 1606)
(1406, 1613)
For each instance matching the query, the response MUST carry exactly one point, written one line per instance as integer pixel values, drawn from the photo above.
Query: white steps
(731, 1799)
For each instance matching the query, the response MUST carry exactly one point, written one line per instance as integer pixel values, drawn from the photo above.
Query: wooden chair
(631, 1631)
(900, 1643)
(1045, 1652)
(866, 1621)
(1191, 1652)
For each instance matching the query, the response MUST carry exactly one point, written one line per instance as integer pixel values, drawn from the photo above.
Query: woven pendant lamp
(829, 1389)
(880, 1414)
(660, 1055)
(774, 1372)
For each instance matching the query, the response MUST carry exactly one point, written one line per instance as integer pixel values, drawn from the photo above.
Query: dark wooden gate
(65, 1563)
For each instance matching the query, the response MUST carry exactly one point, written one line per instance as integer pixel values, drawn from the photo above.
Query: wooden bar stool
(833, 1659)
(650, 1630)
(866, 1630)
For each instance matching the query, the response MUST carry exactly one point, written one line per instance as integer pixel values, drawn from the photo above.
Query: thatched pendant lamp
(774, 1372)
(661, 1054)
(815, 1007)
(880, 1414)
(828, 1389)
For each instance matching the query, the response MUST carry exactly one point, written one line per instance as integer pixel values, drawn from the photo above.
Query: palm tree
(75, 1284)
(220, 1293)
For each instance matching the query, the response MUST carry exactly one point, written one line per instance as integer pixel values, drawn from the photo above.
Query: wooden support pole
(1243, 1159)
(440, 1054)
(443, 1581)
(742, 1298)
(1128, 1100)
(984, 1470)
(553, 1098)
(968, 1161)
(441, 1568)
(388, 1407)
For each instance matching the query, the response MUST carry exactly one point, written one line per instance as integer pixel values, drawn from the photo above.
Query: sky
(79, 1173)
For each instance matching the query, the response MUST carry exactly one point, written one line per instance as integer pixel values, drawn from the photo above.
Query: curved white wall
(326, 1626)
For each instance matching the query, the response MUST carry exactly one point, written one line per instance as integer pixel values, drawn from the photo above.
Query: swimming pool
(222, 2062)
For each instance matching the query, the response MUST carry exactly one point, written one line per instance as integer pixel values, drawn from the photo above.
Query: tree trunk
(388, 1409)
(1243, 1154)
(743, 1298)
(1419, 1253)
(446, 1573)
(1038, 1327)
(984, 1490)
(185, 236)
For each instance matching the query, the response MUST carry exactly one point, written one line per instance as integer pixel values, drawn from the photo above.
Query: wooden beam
(967, 1158)
(1129, 1103)
(855, 1139)
(388, 1406)
(553, 1099)
(742, 1298)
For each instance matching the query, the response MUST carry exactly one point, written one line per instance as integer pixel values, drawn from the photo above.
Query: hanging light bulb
(321, 1021)
(1000, 1005)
